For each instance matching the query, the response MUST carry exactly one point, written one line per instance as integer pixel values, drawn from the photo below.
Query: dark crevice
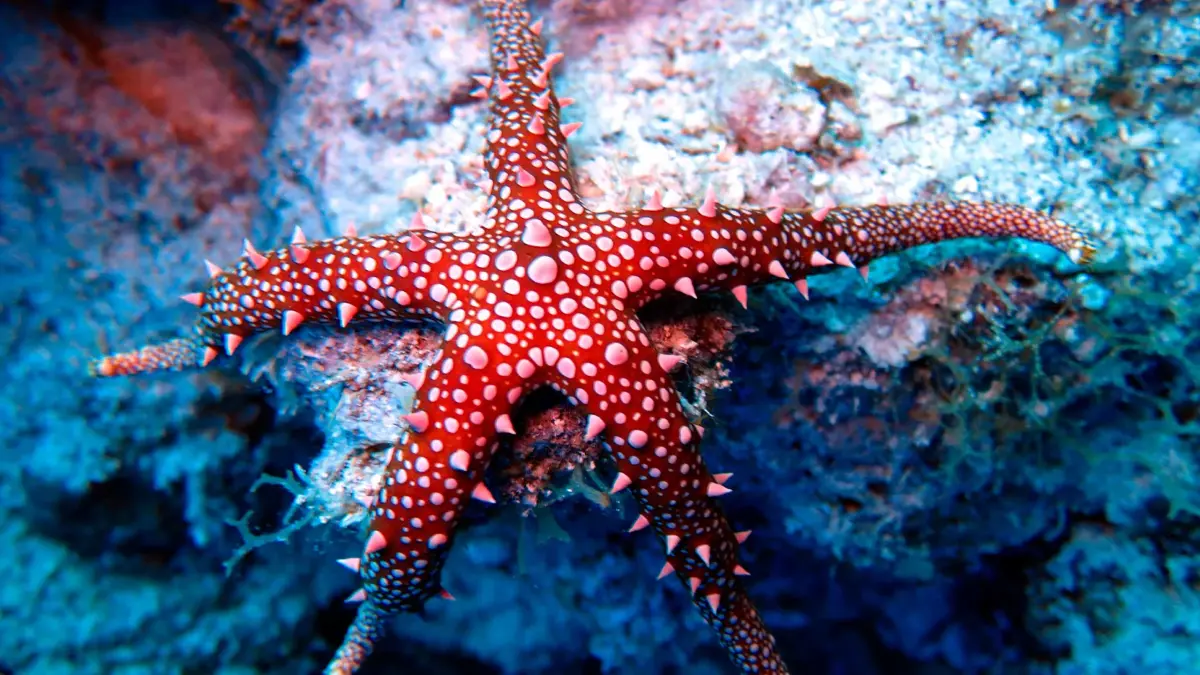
(126, 524)
(123, 523)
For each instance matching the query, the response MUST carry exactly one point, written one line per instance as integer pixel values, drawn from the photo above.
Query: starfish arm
(632, 401)
(712, 247)
(391, 277)
(359, 641)
(857, 235)
(461, 409)
(177, 354)
(527, 155)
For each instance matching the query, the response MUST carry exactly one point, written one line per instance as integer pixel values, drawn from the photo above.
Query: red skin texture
(545, 293)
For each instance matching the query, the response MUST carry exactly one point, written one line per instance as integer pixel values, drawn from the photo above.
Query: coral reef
(547, 298)
(982, 461)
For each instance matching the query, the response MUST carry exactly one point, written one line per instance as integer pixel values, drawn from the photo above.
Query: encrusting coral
(545, 293)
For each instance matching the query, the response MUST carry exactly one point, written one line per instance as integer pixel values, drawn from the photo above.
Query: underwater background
(985, 460)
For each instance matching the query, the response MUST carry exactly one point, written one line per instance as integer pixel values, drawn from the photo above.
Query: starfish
(545, 293)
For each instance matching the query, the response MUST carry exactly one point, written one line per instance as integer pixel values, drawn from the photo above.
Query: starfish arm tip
(359, 641)
(178, 354)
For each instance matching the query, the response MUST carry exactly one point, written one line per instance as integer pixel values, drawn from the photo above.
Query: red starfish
(546, 293)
